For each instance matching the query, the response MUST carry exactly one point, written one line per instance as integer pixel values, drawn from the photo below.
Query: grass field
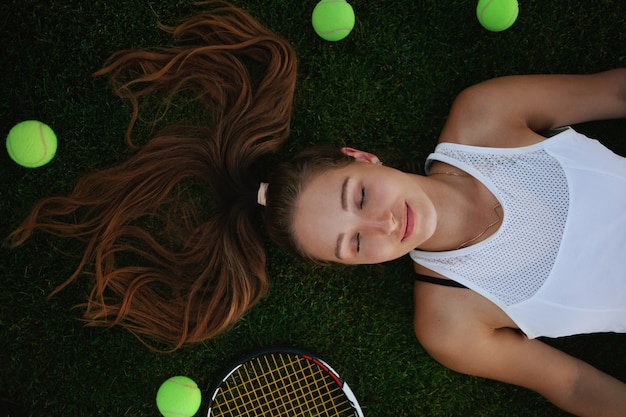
(386, 88)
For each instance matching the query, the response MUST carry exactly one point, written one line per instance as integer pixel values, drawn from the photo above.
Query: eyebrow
(338, 247)
(344, 194)
(344, 206)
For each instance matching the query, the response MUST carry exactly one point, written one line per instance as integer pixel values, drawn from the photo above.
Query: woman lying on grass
(517, 231)
(513, 235)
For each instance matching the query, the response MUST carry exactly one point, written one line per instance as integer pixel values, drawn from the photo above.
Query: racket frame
(215, 390)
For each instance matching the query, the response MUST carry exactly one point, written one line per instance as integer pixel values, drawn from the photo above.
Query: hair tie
(261, 194)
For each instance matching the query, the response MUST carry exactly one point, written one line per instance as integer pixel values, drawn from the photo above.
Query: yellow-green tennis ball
(497, 15)
(333, 20)
(179, 396)
(31, 143)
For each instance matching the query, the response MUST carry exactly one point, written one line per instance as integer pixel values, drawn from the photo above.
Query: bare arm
(463, 332)
(507, 111)
(569, 383)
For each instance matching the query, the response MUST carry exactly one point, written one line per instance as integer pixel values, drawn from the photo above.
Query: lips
(408, 221)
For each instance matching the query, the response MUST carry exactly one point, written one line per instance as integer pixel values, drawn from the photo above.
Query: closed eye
(362, 197)
(358, 242)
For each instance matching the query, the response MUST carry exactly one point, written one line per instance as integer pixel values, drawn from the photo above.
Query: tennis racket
(282, 382)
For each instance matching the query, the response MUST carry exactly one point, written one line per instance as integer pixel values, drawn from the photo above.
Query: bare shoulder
(446, 319)
(447, 312)
(508, 111)
(479, 116)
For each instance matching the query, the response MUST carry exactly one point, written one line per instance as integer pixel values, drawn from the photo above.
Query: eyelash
(358, 235)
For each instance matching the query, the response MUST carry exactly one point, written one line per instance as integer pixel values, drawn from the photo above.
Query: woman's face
(363, 213)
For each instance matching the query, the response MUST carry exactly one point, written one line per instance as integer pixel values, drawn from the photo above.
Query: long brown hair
(201, 274)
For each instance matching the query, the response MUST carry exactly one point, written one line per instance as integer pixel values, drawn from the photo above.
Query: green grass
(386, 88)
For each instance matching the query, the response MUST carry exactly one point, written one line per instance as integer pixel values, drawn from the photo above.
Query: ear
(361, 155)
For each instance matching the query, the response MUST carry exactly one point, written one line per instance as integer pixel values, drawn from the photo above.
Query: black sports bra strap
(438, 281)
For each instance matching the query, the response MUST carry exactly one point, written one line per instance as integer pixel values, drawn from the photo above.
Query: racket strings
(281, 385)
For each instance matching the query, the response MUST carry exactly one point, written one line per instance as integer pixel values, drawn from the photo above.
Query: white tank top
(557, 264)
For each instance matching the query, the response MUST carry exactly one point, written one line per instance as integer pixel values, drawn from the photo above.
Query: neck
(467, 212)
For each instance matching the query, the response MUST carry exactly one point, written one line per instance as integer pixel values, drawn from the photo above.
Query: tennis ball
(497, 15)
(31, 143)
(333, 20)
(179, 396)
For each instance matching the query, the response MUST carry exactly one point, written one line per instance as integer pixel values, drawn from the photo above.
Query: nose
(385, 223)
